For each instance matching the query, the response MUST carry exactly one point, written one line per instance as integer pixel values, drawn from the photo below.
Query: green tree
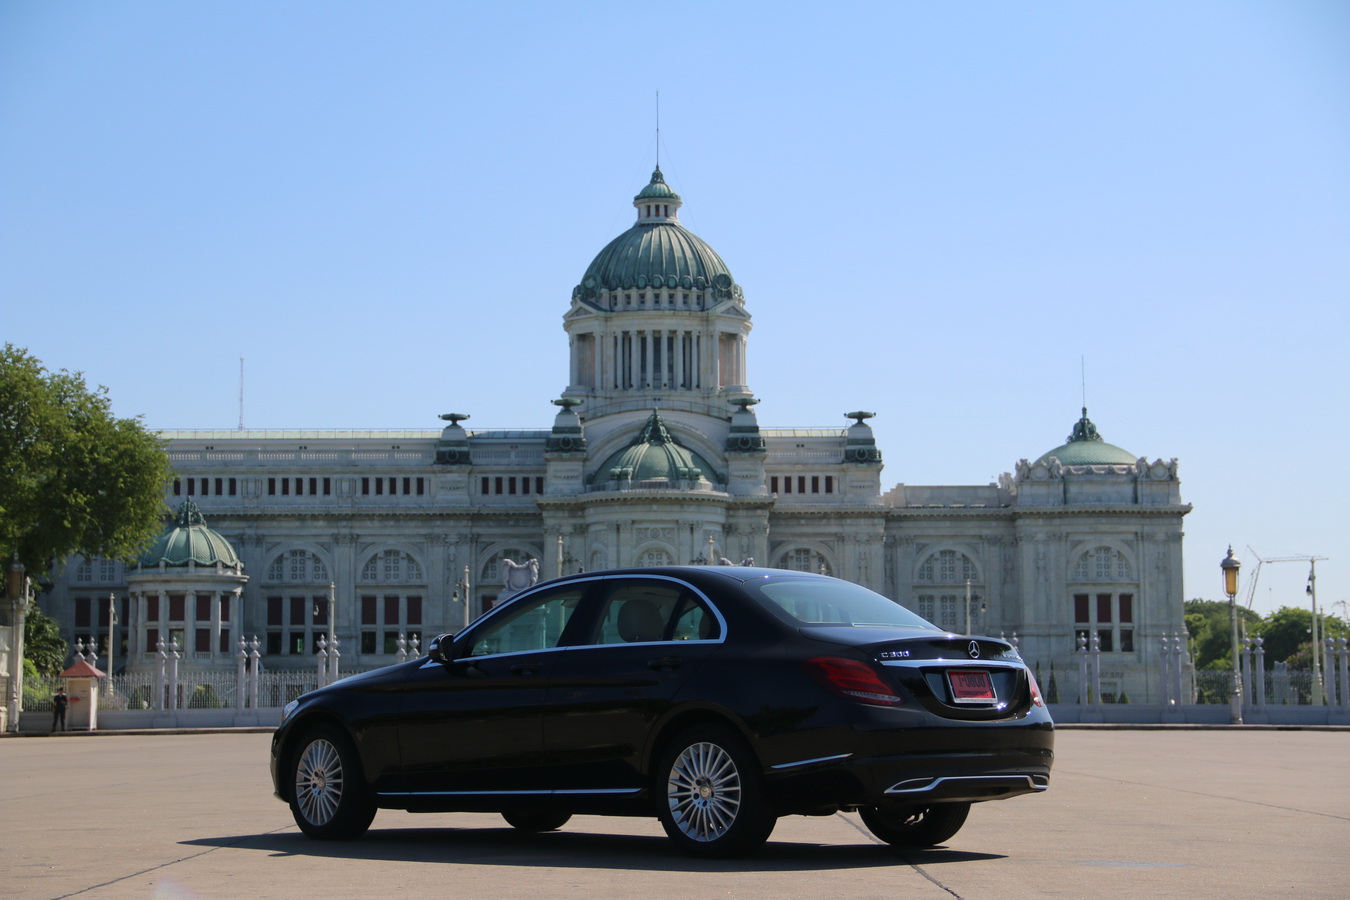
(1211, 631)
(42, 644)
(1287, 636)
(74, 478)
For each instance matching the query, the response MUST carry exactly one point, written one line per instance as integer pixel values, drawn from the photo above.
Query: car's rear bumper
(918, 766)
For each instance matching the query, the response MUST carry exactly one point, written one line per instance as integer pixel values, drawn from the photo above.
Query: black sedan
(714, 698)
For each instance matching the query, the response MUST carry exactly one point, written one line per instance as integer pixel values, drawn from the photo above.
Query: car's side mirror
(442, 648)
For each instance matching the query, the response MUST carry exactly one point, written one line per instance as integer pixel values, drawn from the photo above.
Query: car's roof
(736, 573)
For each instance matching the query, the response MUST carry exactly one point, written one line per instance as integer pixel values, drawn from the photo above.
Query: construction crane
(1312, 561)
(1317, 648)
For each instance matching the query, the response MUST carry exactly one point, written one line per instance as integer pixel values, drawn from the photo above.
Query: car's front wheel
(329, 798)
(919, 826)
(710, 795)
(536, 821)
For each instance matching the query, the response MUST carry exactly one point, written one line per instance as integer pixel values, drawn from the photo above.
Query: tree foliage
(74, 478)
(42, 643)
(1286, 633)
(1211, 631)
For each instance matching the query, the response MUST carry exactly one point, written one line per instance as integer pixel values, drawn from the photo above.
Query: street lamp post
(112, 637)
(1230, 567)
(968, 600)
(1318, 695)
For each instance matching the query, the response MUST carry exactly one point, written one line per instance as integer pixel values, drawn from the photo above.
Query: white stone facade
(410, 527)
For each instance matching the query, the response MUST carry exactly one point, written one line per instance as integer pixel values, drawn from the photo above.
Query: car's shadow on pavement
(504, 846)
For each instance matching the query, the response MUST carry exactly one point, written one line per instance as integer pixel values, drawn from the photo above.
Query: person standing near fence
(59, 704)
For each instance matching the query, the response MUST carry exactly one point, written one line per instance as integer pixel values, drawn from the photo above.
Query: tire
(920, 826)
(710, 795)
(536, 821)
(329, 797)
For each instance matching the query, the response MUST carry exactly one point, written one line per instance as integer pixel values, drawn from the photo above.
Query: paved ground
(1192, 814)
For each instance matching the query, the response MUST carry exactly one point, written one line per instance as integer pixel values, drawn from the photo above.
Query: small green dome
(657, 189)
(1086, 448)
(657, 252)
(654, 456)
(189, 540)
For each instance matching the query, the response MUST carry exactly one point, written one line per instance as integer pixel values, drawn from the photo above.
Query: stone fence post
(255, 663)
(161, 660)
(322, 659)
(241, 676)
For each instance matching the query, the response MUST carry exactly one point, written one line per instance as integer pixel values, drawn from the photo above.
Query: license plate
(971, 686)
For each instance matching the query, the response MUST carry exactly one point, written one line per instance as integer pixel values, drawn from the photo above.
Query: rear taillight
(853, 680)
(1035, 689)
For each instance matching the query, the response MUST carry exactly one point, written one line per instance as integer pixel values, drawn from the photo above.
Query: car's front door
(647, 637)
(474, 725)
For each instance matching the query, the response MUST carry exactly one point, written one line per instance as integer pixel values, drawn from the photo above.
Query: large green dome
(656, 458)
(189, 540)
(657, 252)
(1085, 447)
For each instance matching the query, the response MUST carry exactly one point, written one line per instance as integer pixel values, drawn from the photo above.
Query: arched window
(947, 567)
(949, 593)
(295, 590)
(1102, 584)
(802, 559)
(1102, 564)
(654, 557)
(392, 567)
(392, 588)
(98, 571)
(297, 567)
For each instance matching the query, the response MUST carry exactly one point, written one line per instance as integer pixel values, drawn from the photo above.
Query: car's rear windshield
(812, 601)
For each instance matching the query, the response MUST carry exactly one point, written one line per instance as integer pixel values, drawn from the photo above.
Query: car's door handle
(526, 668)
(665, 662)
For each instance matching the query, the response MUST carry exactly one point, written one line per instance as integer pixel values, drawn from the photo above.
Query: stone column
(679, 359)
(653, 353)
(215, 625)
(634, 359)
(346, 612)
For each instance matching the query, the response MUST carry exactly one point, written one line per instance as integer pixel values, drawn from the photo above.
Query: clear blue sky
(937, 212)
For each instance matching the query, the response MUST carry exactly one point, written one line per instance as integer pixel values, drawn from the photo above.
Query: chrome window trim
(717, 614)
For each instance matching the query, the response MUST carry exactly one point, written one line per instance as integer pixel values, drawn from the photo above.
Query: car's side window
(694, 621)
(636, 612)
(536, 624)
(646, 611)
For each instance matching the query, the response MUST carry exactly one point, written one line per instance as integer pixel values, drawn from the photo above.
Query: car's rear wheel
(329, 798)
(918, 826)
(710, 794)
(536, 821)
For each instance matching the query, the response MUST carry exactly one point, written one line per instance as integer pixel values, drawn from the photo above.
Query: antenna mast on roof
(1082, 370)
(241, 393)
(658, 129)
